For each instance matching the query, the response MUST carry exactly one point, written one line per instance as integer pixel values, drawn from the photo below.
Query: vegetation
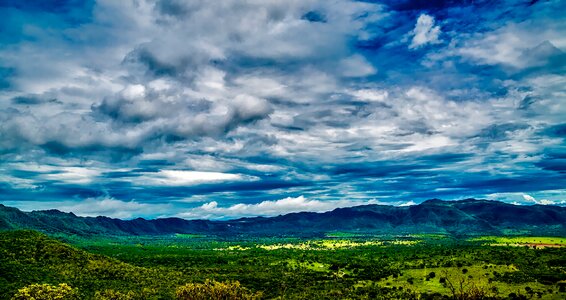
(465, 217)
(214, 290)
(46, 292)
(533, 241)
(359, 267)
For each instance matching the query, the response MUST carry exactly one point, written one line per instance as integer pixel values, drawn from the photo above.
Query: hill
(462, 217)
(28, 257)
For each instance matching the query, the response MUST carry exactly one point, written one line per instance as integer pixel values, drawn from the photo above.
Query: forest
(340, 265)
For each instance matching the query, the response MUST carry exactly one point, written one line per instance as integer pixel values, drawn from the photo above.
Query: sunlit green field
(537, 241)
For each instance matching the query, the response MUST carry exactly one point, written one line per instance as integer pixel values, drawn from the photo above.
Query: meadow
(334, 266)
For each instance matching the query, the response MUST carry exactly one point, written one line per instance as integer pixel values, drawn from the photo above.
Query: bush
(114, 295)
(46, 292)
(215, 290)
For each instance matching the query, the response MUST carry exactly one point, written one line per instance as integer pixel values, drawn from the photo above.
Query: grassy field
(532, 241)
(438, 280)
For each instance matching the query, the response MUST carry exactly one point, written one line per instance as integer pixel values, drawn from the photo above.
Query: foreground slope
(468, 216)
(28, 257)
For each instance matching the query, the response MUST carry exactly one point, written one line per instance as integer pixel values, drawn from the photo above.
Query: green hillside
(28, 257)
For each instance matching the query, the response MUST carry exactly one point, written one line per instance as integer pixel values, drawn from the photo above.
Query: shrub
(215, 290)
(46, 292)
(114, 295)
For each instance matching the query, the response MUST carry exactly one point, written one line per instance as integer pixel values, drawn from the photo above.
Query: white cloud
(422, 143)
(425, 32)
(548, 202)
(542, 201)
(529, 198)
(74, 175)
(18, 183)
(549, 197)
(356, 66)
(212, 210)
(93, 207)
(133, 92)
(113, 208)
(370, 95)
(249, 107)
(60, 174)
(147, 77)
(185, 178)
(109, 97)
(516, 44)
(408, 203)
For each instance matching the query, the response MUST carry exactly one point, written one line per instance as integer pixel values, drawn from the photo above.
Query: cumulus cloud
(548, 197)
(356, 66)
(182, 78)
(515, 47)
(530, 198)
(212, 210)
(424, 32)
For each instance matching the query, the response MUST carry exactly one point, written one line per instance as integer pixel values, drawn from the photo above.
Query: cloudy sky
(223, 109)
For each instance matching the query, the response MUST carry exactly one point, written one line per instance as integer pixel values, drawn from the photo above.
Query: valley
(369, 267)
(468, 249)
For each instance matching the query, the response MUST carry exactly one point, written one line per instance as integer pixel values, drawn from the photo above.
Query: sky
(227, 109)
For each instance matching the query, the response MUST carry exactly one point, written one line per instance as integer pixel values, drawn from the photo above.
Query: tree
(46, 292)
(215, 290)
(463, 288)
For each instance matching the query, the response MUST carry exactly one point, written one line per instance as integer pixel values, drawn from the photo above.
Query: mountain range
(463, 217)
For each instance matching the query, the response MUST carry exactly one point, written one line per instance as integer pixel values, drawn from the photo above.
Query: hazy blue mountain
(468, 216)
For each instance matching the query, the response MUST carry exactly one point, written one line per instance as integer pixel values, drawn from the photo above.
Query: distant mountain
(464, 217)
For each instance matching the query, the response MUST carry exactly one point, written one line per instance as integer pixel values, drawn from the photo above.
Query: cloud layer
(212, 210)
(176, 105)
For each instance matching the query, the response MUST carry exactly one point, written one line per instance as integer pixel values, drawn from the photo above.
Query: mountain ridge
(459, 217)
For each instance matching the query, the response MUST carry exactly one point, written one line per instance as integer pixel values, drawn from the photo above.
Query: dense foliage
(189, 267)
(214, 290)
(46, 292)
